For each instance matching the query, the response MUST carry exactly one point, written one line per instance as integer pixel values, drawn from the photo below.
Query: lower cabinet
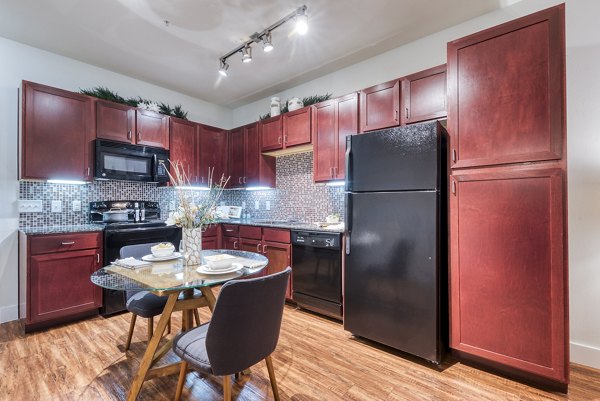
(58, 270)
(210, 239)
(508, 275)
(280, 257)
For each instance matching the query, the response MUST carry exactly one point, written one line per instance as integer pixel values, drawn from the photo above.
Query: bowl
(162, 250)
(219, 262)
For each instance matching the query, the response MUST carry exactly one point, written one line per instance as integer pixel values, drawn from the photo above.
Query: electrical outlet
(257, 205)
(267, 205)
(243, 204)
(76, 206)
(30, 206)
(56, 206)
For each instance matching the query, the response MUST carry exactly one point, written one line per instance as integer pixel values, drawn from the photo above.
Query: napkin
(131, 263)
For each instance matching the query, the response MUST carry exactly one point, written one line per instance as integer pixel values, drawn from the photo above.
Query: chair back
(135, 251)
(244, 328)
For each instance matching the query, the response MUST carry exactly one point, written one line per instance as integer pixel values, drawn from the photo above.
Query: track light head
(223, 68)
(267, 43)
(301, 21)
(246, 54)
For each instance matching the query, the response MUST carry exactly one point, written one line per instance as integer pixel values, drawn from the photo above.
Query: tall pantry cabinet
(506, 121)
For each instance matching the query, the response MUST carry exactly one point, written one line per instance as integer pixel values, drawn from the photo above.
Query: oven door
(118, 161)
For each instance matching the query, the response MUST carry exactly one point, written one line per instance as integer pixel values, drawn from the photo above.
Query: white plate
(206, 270)
(152, 258)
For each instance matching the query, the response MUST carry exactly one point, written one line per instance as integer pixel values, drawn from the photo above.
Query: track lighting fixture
(224, 68)
(300, 18)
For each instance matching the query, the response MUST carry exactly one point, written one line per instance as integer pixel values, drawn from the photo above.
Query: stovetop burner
(151, 214)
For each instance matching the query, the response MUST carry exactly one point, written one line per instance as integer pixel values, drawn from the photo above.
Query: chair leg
(269, 362)
(130, 334)
(227, 388)
(197, 316)
(150, 328)
(181, 380)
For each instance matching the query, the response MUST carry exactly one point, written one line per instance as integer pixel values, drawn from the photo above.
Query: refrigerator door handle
(348, 164)
(348, 219)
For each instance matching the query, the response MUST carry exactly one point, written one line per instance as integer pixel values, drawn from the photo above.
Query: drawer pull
(258, 248)
(264, 249)
(68, 243)
(235, 245)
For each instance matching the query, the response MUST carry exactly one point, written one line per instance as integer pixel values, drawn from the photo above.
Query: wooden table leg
(146, 361)
(210, 297)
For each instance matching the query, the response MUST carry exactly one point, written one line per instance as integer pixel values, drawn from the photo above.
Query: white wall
(583, 106)
(18, 62)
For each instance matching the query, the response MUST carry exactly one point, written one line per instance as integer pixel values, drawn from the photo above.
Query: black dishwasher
(317, 272)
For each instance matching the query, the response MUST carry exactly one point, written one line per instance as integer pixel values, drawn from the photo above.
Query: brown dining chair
(144, 303)
(244, 329)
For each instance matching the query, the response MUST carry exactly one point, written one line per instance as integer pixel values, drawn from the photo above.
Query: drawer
(64, 242)
(250, 232)
(211, 231)
(231, 230)
(276, 235)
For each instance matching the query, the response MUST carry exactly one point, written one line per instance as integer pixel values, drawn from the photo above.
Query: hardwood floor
(315, 360)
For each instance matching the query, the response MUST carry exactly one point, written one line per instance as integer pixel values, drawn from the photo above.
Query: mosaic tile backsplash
(295, 196)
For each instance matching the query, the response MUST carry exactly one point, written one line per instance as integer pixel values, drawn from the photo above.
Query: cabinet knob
(98, 257)
(240, 180)
(454, 187)
(406, 112)
(258, 247)
(244, 180)
(279, 140)
(454, 155)
(129, 135)
(139, 136)
(264, 249)
(235, 245)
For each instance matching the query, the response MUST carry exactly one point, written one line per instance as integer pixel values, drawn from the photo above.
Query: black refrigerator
(395, 282)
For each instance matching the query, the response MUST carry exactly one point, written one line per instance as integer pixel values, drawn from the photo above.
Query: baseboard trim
(9, 313)
(585, 355)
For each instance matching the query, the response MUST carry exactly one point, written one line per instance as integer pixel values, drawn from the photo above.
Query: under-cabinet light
(258, 188)
(194, 188)
(335, 183)
(72, 182)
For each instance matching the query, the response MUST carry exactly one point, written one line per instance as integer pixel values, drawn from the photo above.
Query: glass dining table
(177, 281)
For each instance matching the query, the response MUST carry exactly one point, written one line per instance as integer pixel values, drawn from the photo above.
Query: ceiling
(130, 37)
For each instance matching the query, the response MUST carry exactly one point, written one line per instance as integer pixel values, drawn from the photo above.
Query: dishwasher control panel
(316, 239)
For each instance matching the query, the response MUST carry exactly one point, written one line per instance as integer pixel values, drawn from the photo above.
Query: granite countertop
(79, 228)
(280, 224)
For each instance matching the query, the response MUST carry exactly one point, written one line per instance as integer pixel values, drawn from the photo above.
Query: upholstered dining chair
(244, 329)
(144, 303)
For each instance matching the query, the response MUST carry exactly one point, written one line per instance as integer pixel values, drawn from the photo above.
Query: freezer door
(395, 159)
(391, 274)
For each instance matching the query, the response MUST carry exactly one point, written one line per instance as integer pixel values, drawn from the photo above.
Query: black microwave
(122, 161)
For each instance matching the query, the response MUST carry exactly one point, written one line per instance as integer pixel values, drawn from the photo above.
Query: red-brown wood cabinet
(213, 152)
(332, 122)
(184, 147)
(508, 275)
(380, 106)
(119, 122)
(285, 131)
(424, 95)
(58, 269)
(56, 120)
(247, 166)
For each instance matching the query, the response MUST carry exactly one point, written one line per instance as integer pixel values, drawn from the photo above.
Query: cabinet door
(508, 268)
(213, 153)
(325, 141)
(271, 134)
(379, 106)
(114, 121)
(57, 134)
(236, 158)
(347, 124)
(231, 243)
(424, 95)
(252, 156)
(506, 92)
(209, 243)
(250, 245)
(152, 129)
(60, 286)
(184, 145)
(280, 257)
(296, 127)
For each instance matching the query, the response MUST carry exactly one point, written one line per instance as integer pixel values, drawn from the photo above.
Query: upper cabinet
(213, 152)
(424, 95)
(380, 106)
(332, 122)
(54, 119)
(506, 92)
(247, 166)
(184, 147)
(290, 130)
(119, 122)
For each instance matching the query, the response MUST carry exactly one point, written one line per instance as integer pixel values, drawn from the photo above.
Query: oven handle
(137, 230)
